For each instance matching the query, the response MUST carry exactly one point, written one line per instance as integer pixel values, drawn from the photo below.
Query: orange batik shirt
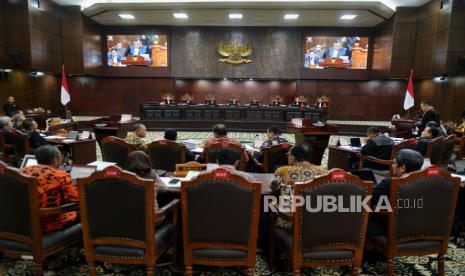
(55, 188)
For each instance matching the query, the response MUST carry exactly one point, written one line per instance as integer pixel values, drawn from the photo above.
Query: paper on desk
(68, 140)
(248, 147)
(101, 165)
(55, 137)
(191, 144)
(197, 150)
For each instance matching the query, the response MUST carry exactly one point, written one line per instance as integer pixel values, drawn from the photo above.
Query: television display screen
(336, 52)
(137, 50)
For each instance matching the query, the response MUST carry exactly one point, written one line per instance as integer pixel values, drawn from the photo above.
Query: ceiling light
(348, 16)
(235, 16)
(126, 16)
(180, 15)
(291, 16)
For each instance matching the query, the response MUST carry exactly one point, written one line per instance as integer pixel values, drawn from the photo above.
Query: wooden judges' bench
(204, 116)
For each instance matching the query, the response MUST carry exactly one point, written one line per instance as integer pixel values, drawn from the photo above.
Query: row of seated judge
(216, 230)
(166, 153)
(298, 102)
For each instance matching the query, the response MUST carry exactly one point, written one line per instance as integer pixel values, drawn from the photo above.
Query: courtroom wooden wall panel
(109, 96)
(195, 52)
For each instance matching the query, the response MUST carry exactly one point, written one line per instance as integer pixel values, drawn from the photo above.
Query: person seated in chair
(275, 137)
(406, 161)
(441, 132)
(136, 138)
(6, 127)
(299, 170)
(172, 135)
(220, 135)
(55, 187)
(31, 129)
(427, 135)
(379, 146)
(228, 159)
(138, 162)
(18, 120)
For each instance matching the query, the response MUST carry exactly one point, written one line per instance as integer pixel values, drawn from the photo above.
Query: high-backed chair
(6, 150)
(220, 213)
(317, 238)
(275, 157)
(435, 150)
(406, 144)
(116, 150)
(450, 142)
(165, 154)
(209, 153)
(21, 236)
(118, 220)
(21, 145)
(424, 227)
(460, 149)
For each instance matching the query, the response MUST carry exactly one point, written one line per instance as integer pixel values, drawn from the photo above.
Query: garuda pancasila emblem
(235, 53)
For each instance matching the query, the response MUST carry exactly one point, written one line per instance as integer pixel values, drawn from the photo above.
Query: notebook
(28, 160)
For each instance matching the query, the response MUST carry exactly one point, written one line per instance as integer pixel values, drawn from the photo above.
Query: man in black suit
(379, 146)
(429, 114)
(31, 129)
(10, 108)
(427, 135)
(406, 161)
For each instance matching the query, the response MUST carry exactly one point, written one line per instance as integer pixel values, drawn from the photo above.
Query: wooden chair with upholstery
(21, 145)
(423, 230)
(165, 154)
(435, 150)
(209, 153)
(6, 150)
(450, 142)
(275, 156)
(317, 238)
(118, 230)
(116, 150)
(406, 144)
(220, 212)
(459, 150)
(21, 235)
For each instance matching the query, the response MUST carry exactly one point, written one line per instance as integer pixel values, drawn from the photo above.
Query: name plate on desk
(184, 169)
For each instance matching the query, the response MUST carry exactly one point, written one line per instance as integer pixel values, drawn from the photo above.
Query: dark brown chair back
(275, 157)
(328, 233)
(406, 144)
(17, 217)
(435, 150)
(220, 210)
(461, 148)
(432, 217)
(21, 144)
(211, 151)
(116, 150)
(450, 142)
(165, 154)
(117, 208)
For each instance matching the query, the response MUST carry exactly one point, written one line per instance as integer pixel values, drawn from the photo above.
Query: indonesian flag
(65, 96)
(409, 101)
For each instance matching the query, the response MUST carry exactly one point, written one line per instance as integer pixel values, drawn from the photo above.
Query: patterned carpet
(72, 261)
